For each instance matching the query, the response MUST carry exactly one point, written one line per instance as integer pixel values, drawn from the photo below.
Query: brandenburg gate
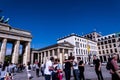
(16, 37)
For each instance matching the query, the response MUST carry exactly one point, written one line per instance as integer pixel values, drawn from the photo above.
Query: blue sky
(48, 20)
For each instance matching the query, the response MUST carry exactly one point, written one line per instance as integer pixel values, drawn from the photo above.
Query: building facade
(83, 47)
(107, 45)
(59, 50)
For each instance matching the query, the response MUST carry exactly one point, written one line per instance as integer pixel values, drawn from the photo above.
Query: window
(103, 52)
(106, 46)
(113, 36)
(99, 52)
(115, 50)
(81, 44)
(102, 47)
(114, 45)
(77, 44)
(98, 39)
(110, 45)
(101, 38)
(109, 37)
(105, 42)
(119, 39)
(107, 51)
(76, 51)
(109, 41)
(98, 43)
(79, 51)
(101, 43)
(113, 40)
(111, 50)
(105, 37)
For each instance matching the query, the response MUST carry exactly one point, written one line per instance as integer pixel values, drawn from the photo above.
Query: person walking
(114, 68)
(97, 64)
(42, 68)
(54, 72)
(28, 69)
(75, 69)
(37, 66)
(81, 69)
(68, 65)
(48, 68)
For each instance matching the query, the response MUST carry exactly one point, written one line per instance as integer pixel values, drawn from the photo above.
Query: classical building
(16, 37)
(107, 45)
(83, 47)
(59, 50)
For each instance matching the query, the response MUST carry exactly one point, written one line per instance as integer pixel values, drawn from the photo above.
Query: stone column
(58, 53)
(41, 57)
(38, 57)
(63, 55)
(26, 55)
(48, 54)
(3, 50)
(44, 56)
(15, 55)
(32, 56)
(53, 53)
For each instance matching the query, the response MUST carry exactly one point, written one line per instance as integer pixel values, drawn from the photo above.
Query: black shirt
(96, 62)
(68, 65)
(81, 68)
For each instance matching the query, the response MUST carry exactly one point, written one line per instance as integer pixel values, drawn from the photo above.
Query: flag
(88, 48)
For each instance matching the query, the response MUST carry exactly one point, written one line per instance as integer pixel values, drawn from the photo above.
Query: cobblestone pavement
(89, 74)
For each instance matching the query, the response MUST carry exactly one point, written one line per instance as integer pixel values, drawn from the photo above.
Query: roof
(73, 34)
(63, 44)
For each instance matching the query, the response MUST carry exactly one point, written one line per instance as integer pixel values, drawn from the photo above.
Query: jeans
(67, 74)
(99, 75)
(37, 72)
(1, 78)
(55, 76)
(81, 76)
(47, 77)
(76, 74)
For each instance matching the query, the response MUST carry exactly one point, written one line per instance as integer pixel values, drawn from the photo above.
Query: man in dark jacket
(97, 64)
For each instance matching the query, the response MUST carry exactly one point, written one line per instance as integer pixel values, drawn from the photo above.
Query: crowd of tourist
(7, 70)
(53, 69)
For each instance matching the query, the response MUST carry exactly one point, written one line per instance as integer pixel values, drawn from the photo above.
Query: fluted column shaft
(3, 50)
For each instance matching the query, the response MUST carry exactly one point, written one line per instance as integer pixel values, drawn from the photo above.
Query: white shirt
(75, 64)
(28, 72)
(42, 65)
(47, 65)
(3, 74)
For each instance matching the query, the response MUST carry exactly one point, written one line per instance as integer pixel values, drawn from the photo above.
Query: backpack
(109, 64)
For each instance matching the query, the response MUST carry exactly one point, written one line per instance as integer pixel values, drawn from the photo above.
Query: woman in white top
(28, 68)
